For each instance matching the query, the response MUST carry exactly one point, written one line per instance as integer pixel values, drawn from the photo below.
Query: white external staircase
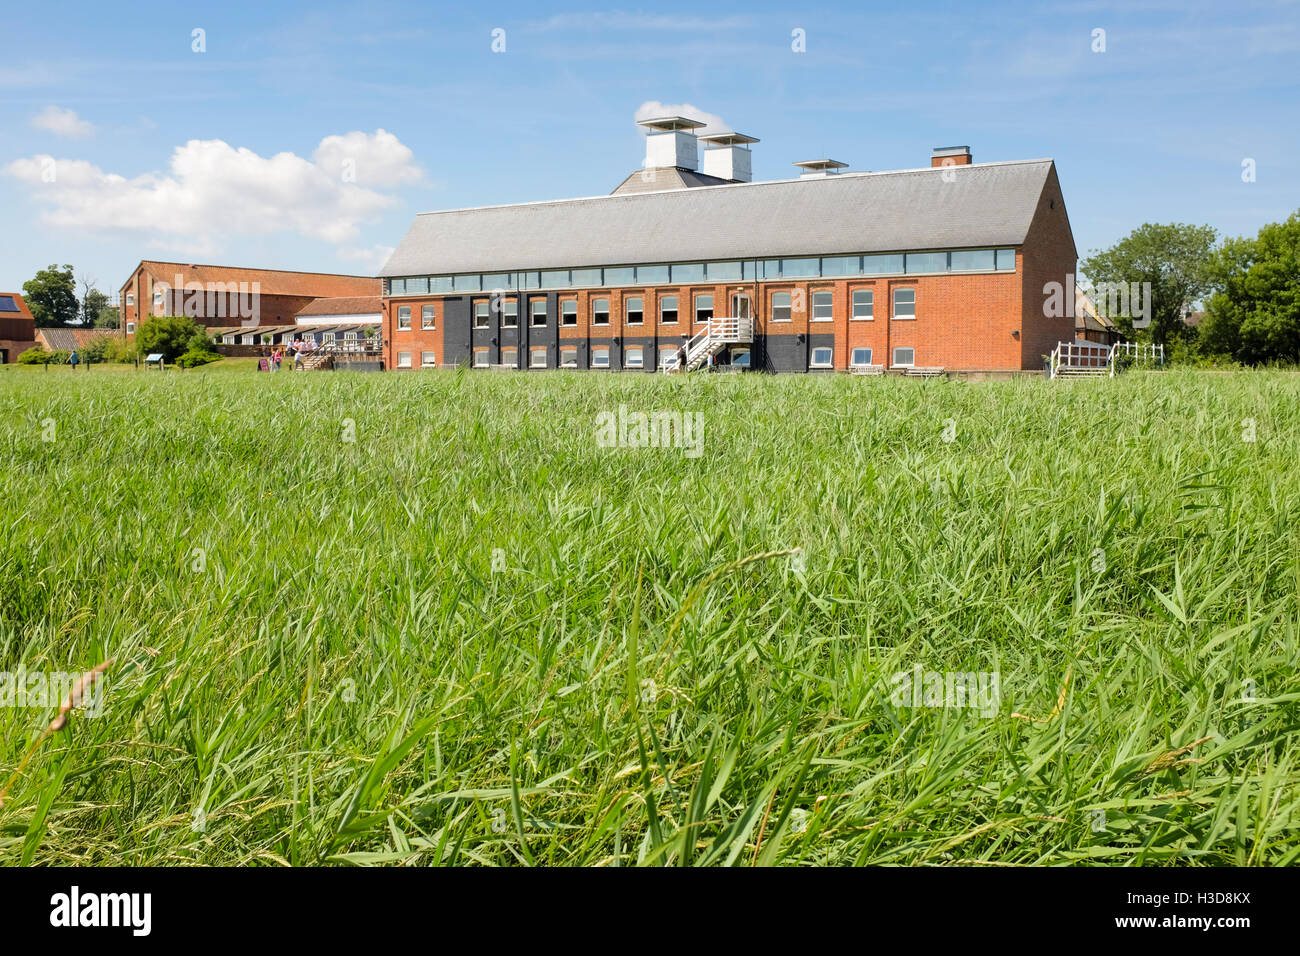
(717, 334)
(1094, 360)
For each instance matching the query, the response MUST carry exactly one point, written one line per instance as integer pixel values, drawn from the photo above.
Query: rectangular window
(881, 265)
(510, 314)
(1006, 260)
(823, 306)
(860, 356)
(418, 286)
(780, 306)
(651, 273)
(927, 262)
(688, 272)
(403, 316)
(585, 277)
(480, 315)
(480, 358)
(403, 359)
(622, 276)
(157, 297)
(668, 310)
(130, 298)
(904, 357)
(349, 336)
(740, 358)
(771, 268)
(634, 309)
(555, 280)
(703, 308)
(864, 304)
(510, 358)
(800, 268)
(569, 312)
(600, 357)
(904, 303)
(467, 283)
(842, 266)
(821, 357)
(667, 355)
(634, 357)
(725, 271)
(973, 260)
(228, 339)
(426, 317)
(428, 359)
(568, 358)
(600, 311)
(500, 280)
(537, 358)
(440, 284)
(539, 312)
(130, 328)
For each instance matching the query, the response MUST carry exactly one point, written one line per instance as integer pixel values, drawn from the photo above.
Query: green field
(475, 635)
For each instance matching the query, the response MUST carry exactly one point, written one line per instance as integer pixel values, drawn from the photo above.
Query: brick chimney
(950, 156)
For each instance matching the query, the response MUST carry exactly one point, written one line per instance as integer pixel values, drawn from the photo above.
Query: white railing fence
(1093, 358)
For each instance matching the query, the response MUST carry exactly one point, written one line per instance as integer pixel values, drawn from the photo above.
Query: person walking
(74, 360)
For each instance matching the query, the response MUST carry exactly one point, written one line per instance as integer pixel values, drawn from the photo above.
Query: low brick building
(948, 266)
(17, 327)
(222, 296)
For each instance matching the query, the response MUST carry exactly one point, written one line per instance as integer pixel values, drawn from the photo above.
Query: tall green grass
(650, 675)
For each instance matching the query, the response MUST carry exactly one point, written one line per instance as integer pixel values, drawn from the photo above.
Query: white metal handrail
(718, 331)
(1093, 356)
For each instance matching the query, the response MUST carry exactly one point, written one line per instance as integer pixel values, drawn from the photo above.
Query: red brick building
(945, 266)
(17, 327)
(227, 296)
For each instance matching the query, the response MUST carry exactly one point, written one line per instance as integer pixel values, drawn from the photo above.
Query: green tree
(52, 296)
(109, 318)
(93, 302)
(1255, 315)
(169, 334)
(1175, 259)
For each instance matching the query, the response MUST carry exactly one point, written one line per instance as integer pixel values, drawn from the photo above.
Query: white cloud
(215, 190)
(378, 160)
(61, 122)
(651, 109)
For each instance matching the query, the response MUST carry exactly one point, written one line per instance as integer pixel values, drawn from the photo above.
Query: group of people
(298, 350)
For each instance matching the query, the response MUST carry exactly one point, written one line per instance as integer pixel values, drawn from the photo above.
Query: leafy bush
(36, 355)
(120, 350)
(95, 349)
(194, 358)
(170, 335)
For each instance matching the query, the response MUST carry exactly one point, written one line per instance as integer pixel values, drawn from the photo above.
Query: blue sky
(288, 169)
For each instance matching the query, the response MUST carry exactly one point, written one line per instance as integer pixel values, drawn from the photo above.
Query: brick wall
(963, 322)
(1050, 257)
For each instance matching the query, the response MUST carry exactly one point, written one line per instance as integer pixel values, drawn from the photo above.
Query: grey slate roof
(986, 204)
(660, 178)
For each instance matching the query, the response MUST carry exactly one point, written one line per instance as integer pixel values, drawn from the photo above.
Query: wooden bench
(867, 370)
(924, 372)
